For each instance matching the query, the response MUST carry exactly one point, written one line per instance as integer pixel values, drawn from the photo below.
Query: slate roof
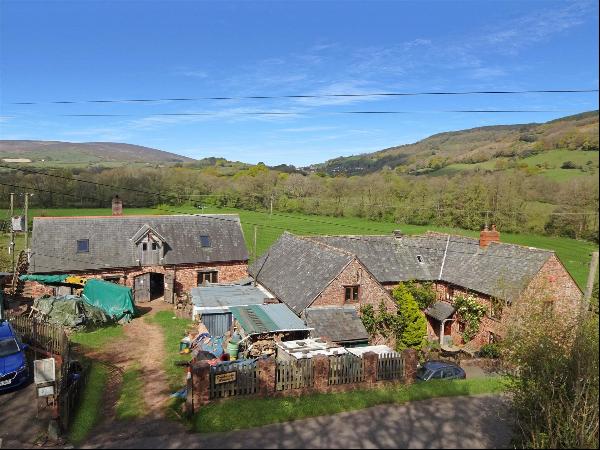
(272, 318)
(440, 310)
(221, 296)
(500, 270)
(296, 269)
(338, 324)
(54, 241)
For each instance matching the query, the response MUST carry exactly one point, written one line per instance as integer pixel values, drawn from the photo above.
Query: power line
(310, 96)
(306, 113)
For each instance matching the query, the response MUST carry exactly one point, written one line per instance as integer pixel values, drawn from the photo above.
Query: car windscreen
(8, 347)
(423, 373)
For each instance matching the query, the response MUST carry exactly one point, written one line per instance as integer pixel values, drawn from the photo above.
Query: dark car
(14, 369)
(440, 370)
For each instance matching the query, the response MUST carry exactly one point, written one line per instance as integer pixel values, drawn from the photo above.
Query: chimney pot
(486, 236)
(117, 206)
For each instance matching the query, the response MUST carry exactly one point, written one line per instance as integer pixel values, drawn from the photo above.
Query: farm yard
(574, 254)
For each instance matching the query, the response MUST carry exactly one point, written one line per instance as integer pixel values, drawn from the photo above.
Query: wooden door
(141, 288)
(169, 287)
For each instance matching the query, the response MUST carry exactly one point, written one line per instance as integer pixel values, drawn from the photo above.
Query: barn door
(141, 288)
(169, 287)
(150, 251)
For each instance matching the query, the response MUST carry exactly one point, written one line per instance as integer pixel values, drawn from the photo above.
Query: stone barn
(157, 256)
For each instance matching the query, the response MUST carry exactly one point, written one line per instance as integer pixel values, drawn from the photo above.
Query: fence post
(409, 360)
(321, 371)
(201, 384)
(267, 376)
(370, 361)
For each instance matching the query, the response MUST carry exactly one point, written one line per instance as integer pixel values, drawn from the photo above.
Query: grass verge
(174, 329)
(131, 400)
(90, 406)
(98, 338)
(242, 413)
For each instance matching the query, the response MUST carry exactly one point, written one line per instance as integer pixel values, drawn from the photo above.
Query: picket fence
(390, 366)
(245, 383)
(294, 374)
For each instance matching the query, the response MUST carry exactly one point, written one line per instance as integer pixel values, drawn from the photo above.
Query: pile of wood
(262, 347)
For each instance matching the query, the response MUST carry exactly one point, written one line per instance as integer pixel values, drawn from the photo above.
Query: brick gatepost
(267, 368)
(321, 373)
(410, 359)
(200, 384)
(370, 363)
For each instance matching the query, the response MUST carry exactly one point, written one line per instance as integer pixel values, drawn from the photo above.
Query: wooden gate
(169, 287)
(141, 288)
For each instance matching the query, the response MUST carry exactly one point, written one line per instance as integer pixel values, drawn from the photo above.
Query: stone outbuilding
(157, 256)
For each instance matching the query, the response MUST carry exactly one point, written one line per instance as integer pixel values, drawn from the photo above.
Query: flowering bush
(471, 312)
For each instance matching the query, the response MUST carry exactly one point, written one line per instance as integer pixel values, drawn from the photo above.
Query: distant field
(574, 254)
(554, 159)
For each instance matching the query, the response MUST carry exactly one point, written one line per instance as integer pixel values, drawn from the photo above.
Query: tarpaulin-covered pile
(44, 278)
(115, 300)
(70, 311)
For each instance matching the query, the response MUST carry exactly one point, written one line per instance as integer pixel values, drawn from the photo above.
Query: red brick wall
(371, 292)
(555, 284)
(185, 276)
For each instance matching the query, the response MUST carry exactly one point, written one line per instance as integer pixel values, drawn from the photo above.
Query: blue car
(14, 370)
(440, 370)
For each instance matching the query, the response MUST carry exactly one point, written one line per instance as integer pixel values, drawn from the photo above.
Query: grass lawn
(174, 329)
(89, 411)
(248, 413)
(131, 400)
(98, 338)
(574, 254)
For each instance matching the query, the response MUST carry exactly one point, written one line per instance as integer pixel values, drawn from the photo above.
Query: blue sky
(87, 50)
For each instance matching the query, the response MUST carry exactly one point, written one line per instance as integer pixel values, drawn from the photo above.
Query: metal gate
(141, 288)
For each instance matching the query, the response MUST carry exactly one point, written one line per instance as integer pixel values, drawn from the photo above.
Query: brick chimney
(486, 236)
(117, 206)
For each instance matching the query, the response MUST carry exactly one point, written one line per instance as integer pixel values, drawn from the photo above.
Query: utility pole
(11, 247)
(27, 224)
(591, 277)
(255, 233)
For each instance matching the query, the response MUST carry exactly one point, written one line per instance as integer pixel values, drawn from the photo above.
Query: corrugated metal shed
(255, 319)
(224, 296)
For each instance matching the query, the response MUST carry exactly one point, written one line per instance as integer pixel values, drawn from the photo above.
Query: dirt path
(141, 346)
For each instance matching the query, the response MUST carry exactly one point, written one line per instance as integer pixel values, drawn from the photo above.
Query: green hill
(540, 148)
(65, 154)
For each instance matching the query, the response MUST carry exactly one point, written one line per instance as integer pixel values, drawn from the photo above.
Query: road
(20, 422)
(457, 422)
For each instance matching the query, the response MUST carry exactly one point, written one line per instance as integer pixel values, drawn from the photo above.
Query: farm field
(574, 254)
(554, 159)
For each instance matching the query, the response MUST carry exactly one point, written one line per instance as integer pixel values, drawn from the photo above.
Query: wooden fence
(294, 374)
(390, 367)
(42, 336)
(233, 379)
(346, 369)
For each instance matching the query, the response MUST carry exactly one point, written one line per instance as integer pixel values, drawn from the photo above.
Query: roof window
(205, 241)
(83, 245)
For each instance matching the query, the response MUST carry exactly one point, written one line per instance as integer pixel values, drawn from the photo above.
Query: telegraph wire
(312, 96)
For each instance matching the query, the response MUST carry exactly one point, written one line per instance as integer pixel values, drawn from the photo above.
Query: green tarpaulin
(115, 300)
(44, 278)
(70, 311)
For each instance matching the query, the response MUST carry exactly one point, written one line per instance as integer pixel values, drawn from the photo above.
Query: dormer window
(205, 241)
(83, 245)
